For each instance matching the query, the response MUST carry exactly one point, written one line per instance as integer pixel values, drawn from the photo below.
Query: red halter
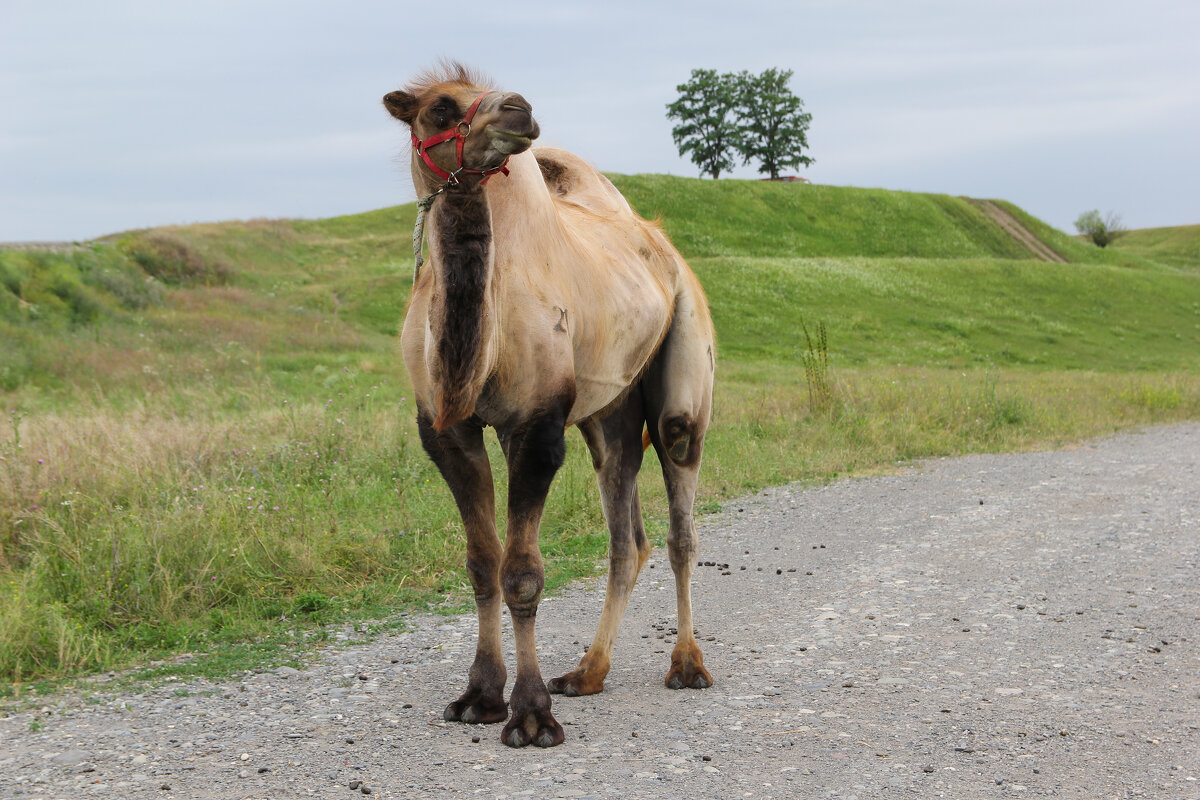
(459, 132)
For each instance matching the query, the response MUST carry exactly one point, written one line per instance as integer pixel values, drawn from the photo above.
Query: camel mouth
(510, 142)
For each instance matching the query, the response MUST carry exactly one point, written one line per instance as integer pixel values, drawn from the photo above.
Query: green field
(209, 444)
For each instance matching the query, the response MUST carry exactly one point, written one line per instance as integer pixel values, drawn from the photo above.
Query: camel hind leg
(678, 392)
(616, 446)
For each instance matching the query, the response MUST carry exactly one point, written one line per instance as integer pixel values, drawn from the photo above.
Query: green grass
(208, 443)
(958, 313)
(1177, 247)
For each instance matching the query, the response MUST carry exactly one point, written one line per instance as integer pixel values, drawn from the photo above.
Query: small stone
(364, 789)
(166, 787)
(407, 705)
(354, 784)
(706, 758)
(475, 740)
(261, 770)
(778, 572)
(1020, 606)
(634, 734)
(927, 768)
(71, 757)
(243, 774)
(244, 756)
(349, 741)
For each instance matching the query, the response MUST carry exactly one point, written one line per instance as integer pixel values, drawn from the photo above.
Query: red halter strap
(460, 132)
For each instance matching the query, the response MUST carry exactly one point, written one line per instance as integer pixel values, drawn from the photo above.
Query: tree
(1101, 230)
(707, 114)
(772, 124)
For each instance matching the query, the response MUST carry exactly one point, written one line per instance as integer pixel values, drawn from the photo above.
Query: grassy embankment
(1177, 247)
(209, 440)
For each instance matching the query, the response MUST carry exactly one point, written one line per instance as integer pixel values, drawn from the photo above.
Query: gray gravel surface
(987, 626)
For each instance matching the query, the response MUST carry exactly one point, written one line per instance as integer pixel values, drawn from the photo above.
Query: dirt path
(1016, 230)
(988, 626)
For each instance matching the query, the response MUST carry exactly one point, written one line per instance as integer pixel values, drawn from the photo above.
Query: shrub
(1101, 229)
(173, 260)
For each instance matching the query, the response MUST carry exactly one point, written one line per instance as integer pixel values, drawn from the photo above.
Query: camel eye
(443, 111)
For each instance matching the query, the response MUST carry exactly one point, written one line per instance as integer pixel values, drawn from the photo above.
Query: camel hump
(570, 178)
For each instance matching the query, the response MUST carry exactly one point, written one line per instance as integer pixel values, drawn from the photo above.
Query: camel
(546, 302)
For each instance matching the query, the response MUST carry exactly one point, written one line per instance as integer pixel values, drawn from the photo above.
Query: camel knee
(681, 438)
(523, 590)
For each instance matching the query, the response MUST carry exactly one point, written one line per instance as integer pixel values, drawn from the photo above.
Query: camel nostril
(515, 102)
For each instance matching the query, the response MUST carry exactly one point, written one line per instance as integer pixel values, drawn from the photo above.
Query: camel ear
(401, 105)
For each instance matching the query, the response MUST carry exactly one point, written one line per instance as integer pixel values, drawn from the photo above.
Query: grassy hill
(209, 435)
(1178, 246)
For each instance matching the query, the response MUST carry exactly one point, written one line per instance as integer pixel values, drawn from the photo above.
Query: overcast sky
(125, 115)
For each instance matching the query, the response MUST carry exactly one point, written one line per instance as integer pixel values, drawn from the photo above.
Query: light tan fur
(614, 275)
(586, 315)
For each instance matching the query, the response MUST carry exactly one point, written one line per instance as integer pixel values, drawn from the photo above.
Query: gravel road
(987, 626)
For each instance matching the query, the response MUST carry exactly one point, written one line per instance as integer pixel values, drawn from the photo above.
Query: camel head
(460, 128)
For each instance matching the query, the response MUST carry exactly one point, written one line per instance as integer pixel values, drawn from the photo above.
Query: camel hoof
(475, 712)
(548, 738)
(545, 730)
(515, 738)
(575, 684)
(691, 677)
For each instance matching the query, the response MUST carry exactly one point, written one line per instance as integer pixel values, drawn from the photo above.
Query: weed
(816, 368)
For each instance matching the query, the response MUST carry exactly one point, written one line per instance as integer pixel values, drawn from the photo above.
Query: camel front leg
(460, 456)
(535, 451)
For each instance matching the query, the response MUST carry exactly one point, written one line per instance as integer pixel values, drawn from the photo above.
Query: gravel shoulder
(994, 625)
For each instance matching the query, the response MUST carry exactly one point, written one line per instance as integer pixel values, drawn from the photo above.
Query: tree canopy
(772, 124)
(708, 120)
(725, 115)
